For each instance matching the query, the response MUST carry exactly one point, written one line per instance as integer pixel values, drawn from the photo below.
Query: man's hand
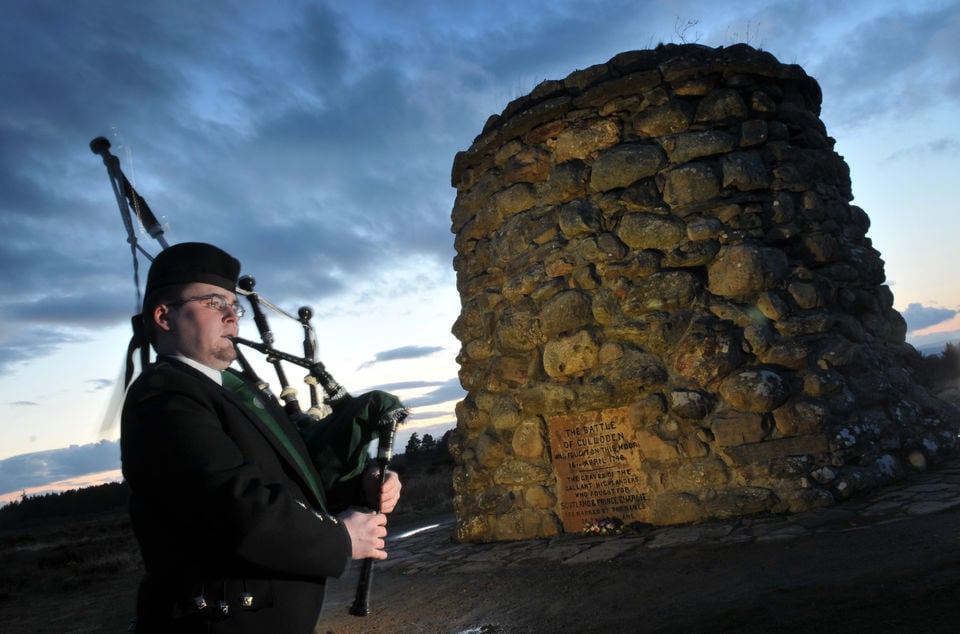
(367, 531)
(388, 495)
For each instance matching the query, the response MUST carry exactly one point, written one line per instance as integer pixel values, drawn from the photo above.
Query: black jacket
(222, 511)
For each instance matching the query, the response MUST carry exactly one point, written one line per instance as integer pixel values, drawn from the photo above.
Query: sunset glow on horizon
(81, 482)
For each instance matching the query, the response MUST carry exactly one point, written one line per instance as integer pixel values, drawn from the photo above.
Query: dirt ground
(896, 577)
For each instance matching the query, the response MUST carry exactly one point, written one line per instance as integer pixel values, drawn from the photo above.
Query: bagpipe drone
(338, 440)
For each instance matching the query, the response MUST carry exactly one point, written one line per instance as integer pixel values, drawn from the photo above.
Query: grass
(427, 490)
(66, 557)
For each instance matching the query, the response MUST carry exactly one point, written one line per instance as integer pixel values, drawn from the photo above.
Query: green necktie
(252, 401)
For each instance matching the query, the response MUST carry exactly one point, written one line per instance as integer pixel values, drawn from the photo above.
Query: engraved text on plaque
(598, 463)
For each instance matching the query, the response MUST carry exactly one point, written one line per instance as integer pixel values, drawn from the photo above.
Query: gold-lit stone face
(598, 465)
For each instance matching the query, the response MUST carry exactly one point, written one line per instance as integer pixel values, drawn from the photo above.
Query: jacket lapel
(271, 421)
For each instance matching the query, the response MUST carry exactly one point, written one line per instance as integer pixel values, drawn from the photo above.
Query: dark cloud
(42, 467)
(421, 413)
(267, 131)
(405, 352)
(919, 316)
(404, 385)
(442, 392)
(445, 392)
(908, 52)
(32, 342)
(944, 146)
(97, 385)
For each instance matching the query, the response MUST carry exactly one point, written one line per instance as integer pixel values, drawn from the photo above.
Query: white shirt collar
(213, 373)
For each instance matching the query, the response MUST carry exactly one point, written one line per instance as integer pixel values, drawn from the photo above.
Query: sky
(314, 141)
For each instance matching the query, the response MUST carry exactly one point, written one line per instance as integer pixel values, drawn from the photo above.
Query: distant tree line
(944, 367)
(48, 507)
(425, 451)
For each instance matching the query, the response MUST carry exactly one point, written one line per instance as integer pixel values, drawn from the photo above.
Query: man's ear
(161, 317)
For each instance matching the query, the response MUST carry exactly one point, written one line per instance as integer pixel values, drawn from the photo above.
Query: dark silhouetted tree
(413, 445)
(428, 444)
(944, 367)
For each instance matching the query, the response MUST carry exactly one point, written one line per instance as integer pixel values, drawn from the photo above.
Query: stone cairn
(670, 309)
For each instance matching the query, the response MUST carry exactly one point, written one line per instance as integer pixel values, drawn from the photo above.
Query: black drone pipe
(310, 354)
(388, 427)
(126, 194)
(334, 391)
(287, 393)
(249, 372)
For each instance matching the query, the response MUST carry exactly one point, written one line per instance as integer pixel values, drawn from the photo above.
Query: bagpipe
(338, 436)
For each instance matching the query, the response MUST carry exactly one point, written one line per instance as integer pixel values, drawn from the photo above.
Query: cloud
(29, 342)
(96, 385)
(443, 392)
(285, 138)
(919, 316)
(405, 352)
(886, 61)
(944, 146)
(35, 469)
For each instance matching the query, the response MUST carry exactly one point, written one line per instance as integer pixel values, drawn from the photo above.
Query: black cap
(190, 262)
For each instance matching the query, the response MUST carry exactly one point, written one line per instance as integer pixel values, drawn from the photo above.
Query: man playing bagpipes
(240, 515)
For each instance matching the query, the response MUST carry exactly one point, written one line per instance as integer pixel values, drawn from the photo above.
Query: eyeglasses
(214, 301)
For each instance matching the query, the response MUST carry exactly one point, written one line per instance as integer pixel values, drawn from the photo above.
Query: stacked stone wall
(663, 246)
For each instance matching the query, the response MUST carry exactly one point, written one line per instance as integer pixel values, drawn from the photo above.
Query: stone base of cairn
(670, 309)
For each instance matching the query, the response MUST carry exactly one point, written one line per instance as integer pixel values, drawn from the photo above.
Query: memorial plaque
(597, 461)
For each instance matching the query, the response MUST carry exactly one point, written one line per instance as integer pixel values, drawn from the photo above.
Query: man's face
(196, 331)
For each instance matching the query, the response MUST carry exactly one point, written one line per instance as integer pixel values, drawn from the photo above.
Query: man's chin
(226, 355)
